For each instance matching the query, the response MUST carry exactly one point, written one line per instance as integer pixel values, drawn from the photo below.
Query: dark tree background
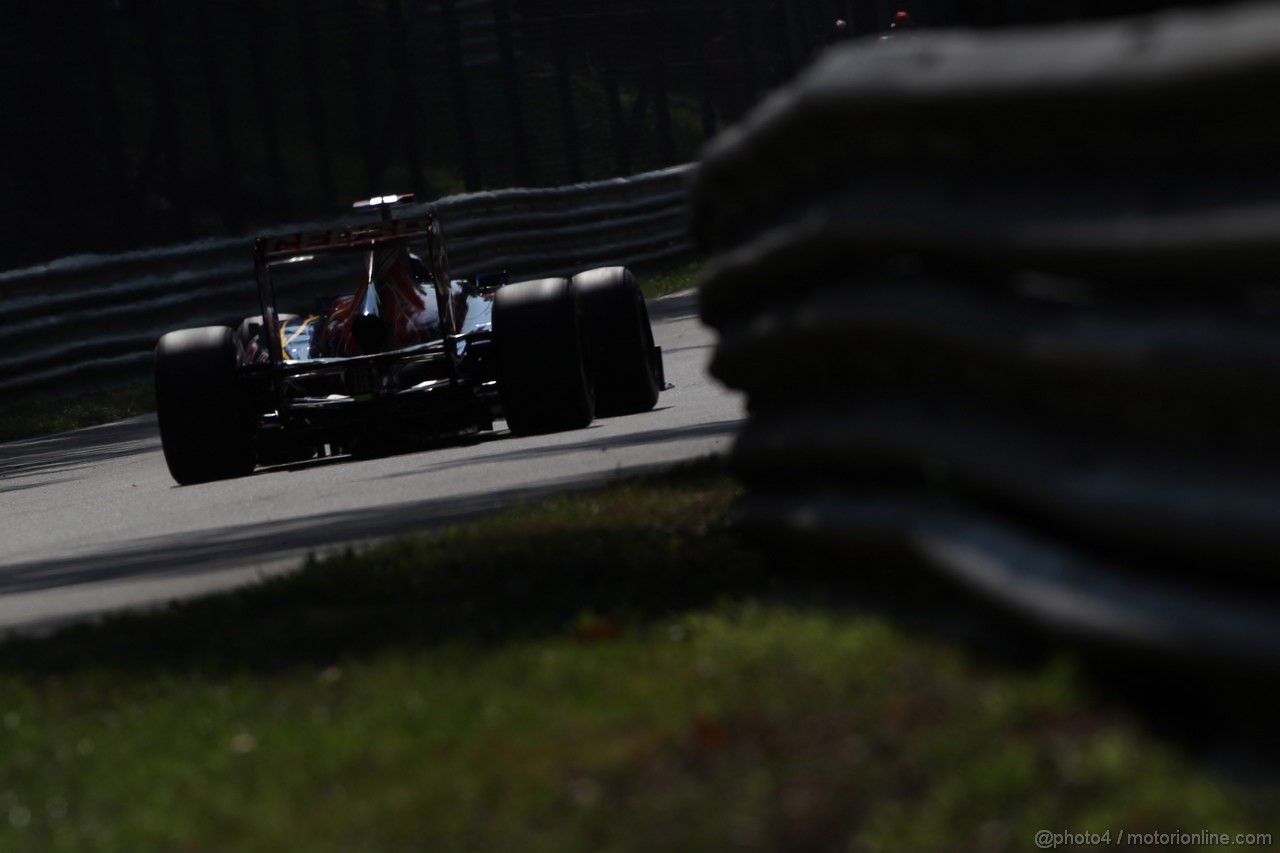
(126, 123)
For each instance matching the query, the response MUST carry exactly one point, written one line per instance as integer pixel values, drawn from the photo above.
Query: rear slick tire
(206, 426)
(543, 381)
(626, 367)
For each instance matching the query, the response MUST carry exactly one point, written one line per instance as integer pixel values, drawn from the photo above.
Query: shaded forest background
(127, 123)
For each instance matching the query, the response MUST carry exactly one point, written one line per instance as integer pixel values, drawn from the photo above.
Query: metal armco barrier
(81, 321)
(1007, 309)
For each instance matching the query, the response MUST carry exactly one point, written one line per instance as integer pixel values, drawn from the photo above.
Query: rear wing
(288, 248)
(278, 249)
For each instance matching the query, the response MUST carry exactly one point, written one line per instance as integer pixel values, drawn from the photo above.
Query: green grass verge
(46, 415)
(604, 671)
(669, 278)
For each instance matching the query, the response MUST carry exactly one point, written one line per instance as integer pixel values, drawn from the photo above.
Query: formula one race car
(407, 353)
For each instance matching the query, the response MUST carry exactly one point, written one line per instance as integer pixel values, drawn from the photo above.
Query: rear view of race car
(386, 348)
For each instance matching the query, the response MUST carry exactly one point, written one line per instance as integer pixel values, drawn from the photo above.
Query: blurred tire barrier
(82, 321)
(1008, 306)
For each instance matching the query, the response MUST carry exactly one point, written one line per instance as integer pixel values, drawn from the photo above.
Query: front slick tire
(626, 368)
(542, 379)
(206, 427)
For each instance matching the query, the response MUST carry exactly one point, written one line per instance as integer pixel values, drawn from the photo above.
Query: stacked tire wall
(1008, 306)
(84, 321)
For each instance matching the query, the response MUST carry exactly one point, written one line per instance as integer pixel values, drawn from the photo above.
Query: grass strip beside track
(610, 670)
(59, 413)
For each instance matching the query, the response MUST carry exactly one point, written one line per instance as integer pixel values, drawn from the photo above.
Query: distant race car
(406, 353)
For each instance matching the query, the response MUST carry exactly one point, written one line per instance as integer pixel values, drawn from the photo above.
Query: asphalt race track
(92, 521)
